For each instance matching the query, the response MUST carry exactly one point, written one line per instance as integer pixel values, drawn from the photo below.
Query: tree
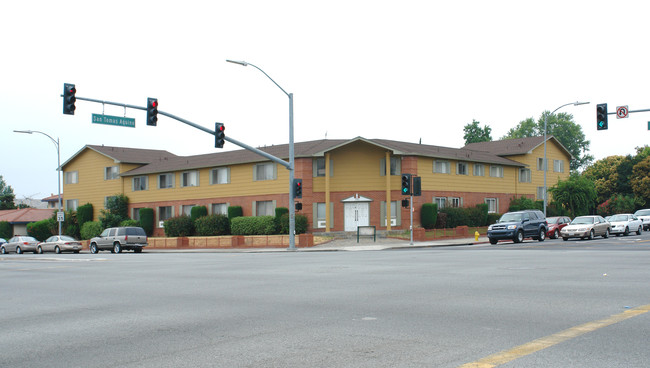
(562, 127)
(606, 177)
(7, 196)
(117, 210)
(640, 181)
(474, 133)
(577, 194)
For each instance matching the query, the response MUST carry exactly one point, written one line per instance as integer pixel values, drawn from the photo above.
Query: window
(140, 183)
(455, 202)
(540, 163)
(479, 170)
(462, 168)
(395, 211)
(441, 202)
(395, 166)
(264, 208)
(71, 177)
(540, 193)
(186, 209)
(318, 167)
(441, 167)
(71, 204)
(111, 172)
(496, 171)
(136, 214)
(558, 165)
(165, 181)
(190, 179)
(493, 205)
(320, 216)
(265, 171)
(164, 213)
(524, 175)
(220, 175)
(220, 208)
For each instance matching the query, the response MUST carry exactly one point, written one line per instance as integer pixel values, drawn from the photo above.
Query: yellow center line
(548, 341)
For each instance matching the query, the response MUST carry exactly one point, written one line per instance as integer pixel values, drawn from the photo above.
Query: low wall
(230, 242)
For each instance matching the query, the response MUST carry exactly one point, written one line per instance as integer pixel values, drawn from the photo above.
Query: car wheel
(639, 230)
(137, 250)
(606, 235)
(519, 237)
(626, 232)
(3, 250)
(542, 235)
(591, 234)
(556, 234)
(565, 239)
(39, 250)
(93, 248)
(18, 250)
(493, 241)
(117, 248)
(57, 250)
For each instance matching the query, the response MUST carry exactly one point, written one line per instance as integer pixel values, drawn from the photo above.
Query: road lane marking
(548, 341)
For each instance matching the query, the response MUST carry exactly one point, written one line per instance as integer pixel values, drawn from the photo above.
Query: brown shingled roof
(515, 146)
(25, 215)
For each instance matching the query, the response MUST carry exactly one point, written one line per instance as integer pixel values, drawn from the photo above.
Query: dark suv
(117, 239)
(519, 225)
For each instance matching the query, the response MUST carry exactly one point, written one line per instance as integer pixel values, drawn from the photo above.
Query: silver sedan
(60, 244)
(586, 227)
(19, 244)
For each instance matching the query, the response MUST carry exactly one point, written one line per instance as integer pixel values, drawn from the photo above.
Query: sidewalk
(336, 245)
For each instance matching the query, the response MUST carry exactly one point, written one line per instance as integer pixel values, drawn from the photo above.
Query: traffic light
(406, 184)
(417, 186)
(152, 111)
(298, 206)
(297, 188)
(601, 116)
(69, 99)
(405, 203)
(219, 135)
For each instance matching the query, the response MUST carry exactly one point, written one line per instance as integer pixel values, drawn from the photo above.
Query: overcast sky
(403, 70)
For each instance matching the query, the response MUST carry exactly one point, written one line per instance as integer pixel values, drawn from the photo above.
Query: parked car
(19, 244)
(58, 244)
(117, 239)
(555, 225)
(624, 223)
(644, 215)
(586, 227)
(2, 241)
(519, 225)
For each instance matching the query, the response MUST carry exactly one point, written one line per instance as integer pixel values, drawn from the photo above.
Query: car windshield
(618, 218)
(552, 220)
(511, 217)
(642, 213)
(582, 221)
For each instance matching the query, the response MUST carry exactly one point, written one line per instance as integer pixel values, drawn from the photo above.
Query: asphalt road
(548, 304)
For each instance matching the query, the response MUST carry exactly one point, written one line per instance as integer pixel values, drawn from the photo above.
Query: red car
(555, 225)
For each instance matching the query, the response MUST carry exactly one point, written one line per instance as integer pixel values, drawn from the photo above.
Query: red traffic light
(221, 128)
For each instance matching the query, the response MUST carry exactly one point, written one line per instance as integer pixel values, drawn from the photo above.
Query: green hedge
(235, 211)
(40, 230)
(91, 229)
(179, 226)
(253, 225)
(212, 225)
(146, 220)
(84, 214)
(130, 222)
(429, 215)
(6, 231)
(301, 224)
(197, 212)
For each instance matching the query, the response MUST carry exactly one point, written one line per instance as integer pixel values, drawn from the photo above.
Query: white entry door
(356, 214)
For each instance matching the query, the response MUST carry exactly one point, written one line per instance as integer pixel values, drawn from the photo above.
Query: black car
(518, 225)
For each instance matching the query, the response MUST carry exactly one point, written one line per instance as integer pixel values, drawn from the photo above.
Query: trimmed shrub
(477, 215)
(455, 216)
(91, 229)
(492, 218)
(301, 224)
(523, 203)
(40, 230)
(212, 225)
(253, 225)
(179, 226)
(130, 222)
(6, 231)
(84, 214)
(197, 212)
(429, 215)
(146, 220)
(279, 212)
(235, 211)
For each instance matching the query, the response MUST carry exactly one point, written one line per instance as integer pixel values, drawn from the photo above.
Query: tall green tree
(564, 129)
(640, 181)
(7, 196)
(474, 133)
(577, 194)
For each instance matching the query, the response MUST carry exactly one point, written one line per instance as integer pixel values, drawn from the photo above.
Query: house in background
(19, 218)
(346, 183)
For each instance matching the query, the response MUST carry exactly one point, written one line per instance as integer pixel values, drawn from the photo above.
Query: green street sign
(113, 120)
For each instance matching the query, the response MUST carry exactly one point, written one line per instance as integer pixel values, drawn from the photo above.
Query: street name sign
(113, 120)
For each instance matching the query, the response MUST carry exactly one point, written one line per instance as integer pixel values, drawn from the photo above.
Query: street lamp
(544, 163)
(58, 154)
(292, 203)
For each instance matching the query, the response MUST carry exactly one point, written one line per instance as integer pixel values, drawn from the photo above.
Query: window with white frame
(186, 209)
(135, 214)
(479, 170)
(558, 165)
(164, 213)
(441, 167)
(71, 177)
(525, 175)
(140, 183)
(493, 205)
(496, 171)
(71, 204)
(455, 202)
(265, 171)
(395, 166)
(220, 175)
(264, 208)
(540, 193)
(394, 213)
(540, 163)
(321, 215)
(190, 179)
(441, 202)
(462, 168)
(165, 181)
(111, 172)
(219, 208)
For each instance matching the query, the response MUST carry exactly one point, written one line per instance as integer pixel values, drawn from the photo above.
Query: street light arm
(243, 63)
